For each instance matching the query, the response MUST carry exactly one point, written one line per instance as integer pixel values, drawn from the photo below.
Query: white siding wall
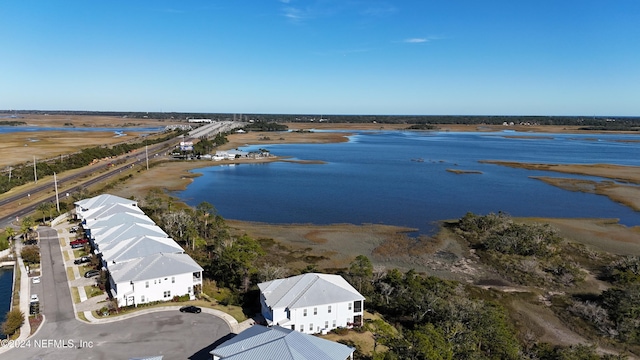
(340, 315)
(157, 289)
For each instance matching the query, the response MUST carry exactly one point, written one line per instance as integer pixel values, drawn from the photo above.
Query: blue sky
(423, 57)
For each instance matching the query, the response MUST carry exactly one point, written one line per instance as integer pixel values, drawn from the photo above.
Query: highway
(83, 178)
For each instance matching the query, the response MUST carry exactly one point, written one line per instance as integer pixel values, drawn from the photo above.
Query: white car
(36, 280)
(34, 298)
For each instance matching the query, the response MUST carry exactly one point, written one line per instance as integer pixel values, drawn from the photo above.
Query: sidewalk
(25, 293)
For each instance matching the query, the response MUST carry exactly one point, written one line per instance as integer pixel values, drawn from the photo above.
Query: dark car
(82, 260)
(191, 309)
(92, 273)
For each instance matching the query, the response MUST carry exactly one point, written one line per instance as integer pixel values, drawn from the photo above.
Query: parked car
(79, 241)
(73, 229)
(92, 273)
(191, 309)
(36, 280)
(34, 298)
(82, 260)
(77, 246)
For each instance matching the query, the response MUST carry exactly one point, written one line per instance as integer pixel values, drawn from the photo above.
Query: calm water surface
(374, 178)
(6, 284)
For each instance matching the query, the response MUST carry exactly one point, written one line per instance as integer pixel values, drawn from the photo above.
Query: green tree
(361, 273)
(233, 261)
(11, 233)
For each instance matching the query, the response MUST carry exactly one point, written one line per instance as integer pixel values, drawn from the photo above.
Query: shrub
(15, 319)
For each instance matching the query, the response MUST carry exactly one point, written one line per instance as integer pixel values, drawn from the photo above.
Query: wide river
(401, 178)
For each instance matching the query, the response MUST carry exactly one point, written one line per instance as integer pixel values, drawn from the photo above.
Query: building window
(173, 279)
(315, 311)
(329, 309)
(167, 294)
(302, 328)
(326, 324)
(304, 312)
(146, 284)
(357, 306)
(189, 290)
(159, 281)
(349, 306)
(142, 298)
(334, 324)
(311, 327)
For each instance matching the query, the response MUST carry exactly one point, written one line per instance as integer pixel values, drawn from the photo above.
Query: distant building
(311, 303)
(207, 121)
(261, 342)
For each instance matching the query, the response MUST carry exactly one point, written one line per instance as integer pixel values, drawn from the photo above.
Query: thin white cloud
(380, 10)
(416, 40)
(293, 14)
(421, 40)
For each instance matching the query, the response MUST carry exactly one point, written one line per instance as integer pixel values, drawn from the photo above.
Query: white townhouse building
(144, 264)
(157, 277)
(311, 303)
(261, 342)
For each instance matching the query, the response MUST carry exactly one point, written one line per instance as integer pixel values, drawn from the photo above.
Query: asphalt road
(173, 334)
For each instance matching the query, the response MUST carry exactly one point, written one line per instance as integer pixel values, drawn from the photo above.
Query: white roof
(127, 231)
(153, 267)
(137, 247)
(117, 218)
(104, 199)
(270, 343)
(308, 290)
(106, 210)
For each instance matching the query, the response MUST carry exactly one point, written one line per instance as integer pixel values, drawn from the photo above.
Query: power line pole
(35, 173)
(55, 183)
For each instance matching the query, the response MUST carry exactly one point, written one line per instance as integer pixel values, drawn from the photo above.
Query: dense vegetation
(265, 126)
(424, 317)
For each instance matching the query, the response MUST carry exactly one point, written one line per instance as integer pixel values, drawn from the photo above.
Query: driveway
(173, 334)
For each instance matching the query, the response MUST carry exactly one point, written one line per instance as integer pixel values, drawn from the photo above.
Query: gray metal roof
(137, 247)
(127, 231)
(153, 267)
(276, 343)
(118, 218)
(104, 199)
(106, 210)
(307, 290)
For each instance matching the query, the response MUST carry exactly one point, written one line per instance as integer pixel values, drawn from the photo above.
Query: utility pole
(146, 153)
(10, 174)
(35, 173)
(55, 183)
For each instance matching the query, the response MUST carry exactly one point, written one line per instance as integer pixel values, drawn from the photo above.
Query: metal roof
(308, 290)
(137, 247)
(104, 199)
(153, 267)
(127, 231)
(117, 218)
(277, 343)
(106, 210)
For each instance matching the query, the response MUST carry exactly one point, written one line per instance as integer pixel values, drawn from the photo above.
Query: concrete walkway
(25, 293)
